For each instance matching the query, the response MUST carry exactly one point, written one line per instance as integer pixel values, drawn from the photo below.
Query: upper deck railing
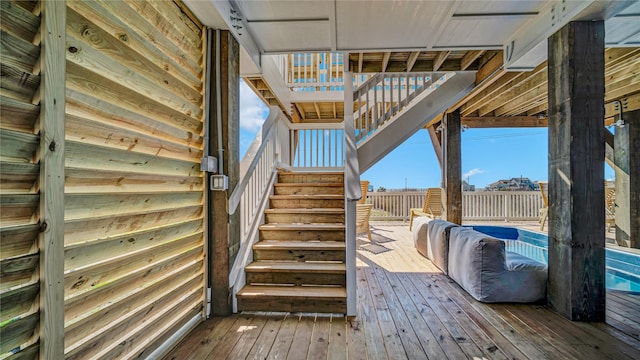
(315, 71)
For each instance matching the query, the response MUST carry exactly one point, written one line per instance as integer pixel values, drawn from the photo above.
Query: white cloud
(253, 111)
(472, 172)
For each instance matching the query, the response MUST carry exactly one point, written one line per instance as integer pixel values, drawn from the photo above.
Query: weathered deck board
(409, 309)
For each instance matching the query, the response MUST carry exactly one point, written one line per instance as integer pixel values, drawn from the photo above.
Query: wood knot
(73, 49)
(123, 37)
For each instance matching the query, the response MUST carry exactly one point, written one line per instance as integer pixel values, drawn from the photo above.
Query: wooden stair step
(309, 188)
(303, 227)
(306, 201)
(310, 177)
(299, 250)
(308, 196)
(306, 211)
(320, 232)
(302, 245)
(293, 298)
(301, 267)
(304, 216)
(296, 273)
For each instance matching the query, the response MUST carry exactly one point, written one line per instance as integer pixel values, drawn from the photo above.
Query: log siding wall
(133, 192)
(19, 178)
(134, 270)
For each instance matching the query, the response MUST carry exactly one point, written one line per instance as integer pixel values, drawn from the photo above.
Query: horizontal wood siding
(19, 179)
(134, 193)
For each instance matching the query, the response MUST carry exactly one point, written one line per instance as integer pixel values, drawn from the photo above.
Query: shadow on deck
(407, 309)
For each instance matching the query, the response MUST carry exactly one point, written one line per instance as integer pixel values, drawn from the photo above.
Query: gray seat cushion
(419, 231)
(437, 249)
(481, 266)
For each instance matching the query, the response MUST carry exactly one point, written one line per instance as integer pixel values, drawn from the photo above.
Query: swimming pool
(623, 268)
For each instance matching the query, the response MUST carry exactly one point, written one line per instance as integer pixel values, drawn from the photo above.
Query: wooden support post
(627, 168)
(576, 286)
(52, 145)
(225, 230)
(435, 141)
(633, 123)
(453, 167)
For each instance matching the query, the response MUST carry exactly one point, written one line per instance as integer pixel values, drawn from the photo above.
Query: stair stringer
(406, 123)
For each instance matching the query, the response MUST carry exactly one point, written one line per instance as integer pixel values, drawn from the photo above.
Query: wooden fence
(476, 205)
(130, 263)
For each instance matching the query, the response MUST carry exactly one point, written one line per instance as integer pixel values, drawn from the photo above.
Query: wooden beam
(315, 105)
(544, 107)
(439, 60)
(633, 124)
(489, 67)
(517, 93)
(52, 147)
(486, 90)
(609, 150)
(225, 230)
(504, 121)
(627, 170)
(576, 287)
(621, 159)
(453, 167)
(437, 146)
(300, 110)
(412, 60)
(385, 61)
(629, 103)
(469, 58)
(360, 60)
(335, 113)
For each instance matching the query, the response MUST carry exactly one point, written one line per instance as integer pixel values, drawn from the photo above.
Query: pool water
(623, 268)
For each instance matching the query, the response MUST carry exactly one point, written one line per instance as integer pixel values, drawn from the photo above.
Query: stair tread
(294, 266)
(293, 291)
(319, 184)
(317, 226)
(301, 244)
(306, 211)
(311, 172)
(306, 196)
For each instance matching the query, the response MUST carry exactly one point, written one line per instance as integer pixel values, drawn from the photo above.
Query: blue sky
(487, 154)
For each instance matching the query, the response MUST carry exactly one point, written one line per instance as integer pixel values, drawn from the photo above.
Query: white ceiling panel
(288, 36)
(499, 6)
(623, 29)
(286, 9)
(633, 41)
(619, 29)
(484, 32)
(368, 24)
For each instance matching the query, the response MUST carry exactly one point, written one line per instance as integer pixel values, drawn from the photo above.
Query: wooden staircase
(299, 261)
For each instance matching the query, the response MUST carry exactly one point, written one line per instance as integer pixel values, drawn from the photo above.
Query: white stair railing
(385, 95)
(317, 146)
(250, 197)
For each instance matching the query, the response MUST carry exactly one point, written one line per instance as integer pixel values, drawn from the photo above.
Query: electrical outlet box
(219, 182)
(209, 164)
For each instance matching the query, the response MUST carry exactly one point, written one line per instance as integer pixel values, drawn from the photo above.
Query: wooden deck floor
(407, 309)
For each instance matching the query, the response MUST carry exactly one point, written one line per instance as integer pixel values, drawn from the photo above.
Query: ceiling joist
(439, 60)
(412, 60)
(385, 61)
